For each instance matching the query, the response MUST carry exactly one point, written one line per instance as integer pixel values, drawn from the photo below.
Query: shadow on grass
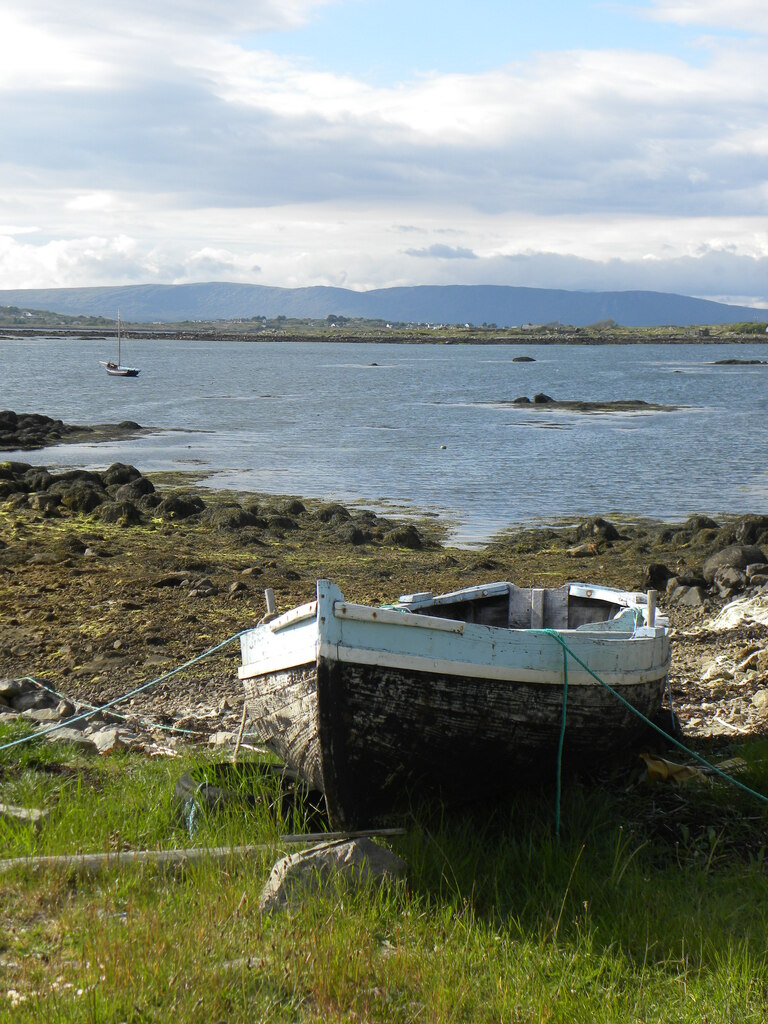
(650, 869)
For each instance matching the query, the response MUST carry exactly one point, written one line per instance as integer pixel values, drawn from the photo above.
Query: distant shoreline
(400, 336)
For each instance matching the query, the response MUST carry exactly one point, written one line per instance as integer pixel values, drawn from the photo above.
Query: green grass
(652, 906)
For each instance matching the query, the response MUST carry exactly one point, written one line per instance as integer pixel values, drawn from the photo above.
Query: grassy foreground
(652, 906)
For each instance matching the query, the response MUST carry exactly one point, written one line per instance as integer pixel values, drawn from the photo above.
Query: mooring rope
(556, 635)
(93, 709)
(131, 693)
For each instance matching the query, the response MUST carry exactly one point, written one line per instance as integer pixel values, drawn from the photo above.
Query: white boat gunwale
(369, 705)
(302, 635)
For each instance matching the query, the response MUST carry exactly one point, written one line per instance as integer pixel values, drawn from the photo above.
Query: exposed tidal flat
(428, 428)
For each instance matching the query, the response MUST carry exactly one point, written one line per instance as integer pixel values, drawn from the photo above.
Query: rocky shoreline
(30, 431)
(110, 580)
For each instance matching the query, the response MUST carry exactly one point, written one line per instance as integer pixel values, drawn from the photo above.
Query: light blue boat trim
(472, 670)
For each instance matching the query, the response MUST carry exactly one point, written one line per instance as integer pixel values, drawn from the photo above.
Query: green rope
(670, 739)
(561, 741)
(93, 708)
(118, 700)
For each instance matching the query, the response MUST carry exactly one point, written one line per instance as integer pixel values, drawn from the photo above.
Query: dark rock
(751, 530)
(522, 400)
(739, 362)
(597, 527)
(229, 517)
(204, 587)
(119, 473)
(656, 576)
(48, 504)
(134, 489)
(291, 507)
(406, 536)
(172, 579)
(149, 502)
(37, 479)
(523, 359)
(81, 497)
(351, 533)
(332, 513)
(180, 506)
(729, 581)
(123, 512)
(82, 476)
(282, 523)
(31, 700)
(694, 524)
(737, 556)
(541, 399)
(14, 470)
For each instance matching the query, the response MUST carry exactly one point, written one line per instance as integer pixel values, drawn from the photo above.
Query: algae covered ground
(107, 581)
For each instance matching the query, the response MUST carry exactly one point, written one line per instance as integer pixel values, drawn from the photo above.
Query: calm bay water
(366, 423)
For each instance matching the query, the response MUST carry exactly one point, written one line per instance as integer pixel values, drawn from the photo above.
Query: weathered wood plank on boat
(448, 693)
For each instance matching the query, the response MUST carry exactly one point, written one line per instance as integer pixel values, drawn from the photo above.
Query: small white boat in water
(457, 693)
(117, 369)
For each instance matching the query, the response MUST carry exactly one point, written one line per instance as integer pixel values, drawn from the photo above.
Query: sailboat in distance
(117, 369)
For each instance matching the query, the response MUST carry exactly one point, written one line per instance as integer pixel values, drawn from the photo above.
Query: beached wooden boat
(456, 693)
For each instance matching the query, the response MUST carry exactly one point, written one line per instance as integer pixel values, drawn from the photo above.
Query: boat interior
(508, 606)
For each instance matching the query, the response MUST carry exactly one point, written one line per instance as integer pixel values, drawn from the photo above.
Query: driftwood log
(92, 863)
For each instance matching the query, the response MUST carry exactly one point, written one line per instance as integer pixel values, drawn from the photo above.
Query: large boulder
(119, 473)
(230, 517)
(333, 513)
(405, 536)
(736, 556)
(37, 479)
(123, 512)
(656, 576)
(180, 506)
(134, 489)
(78, 495)
(596, 528)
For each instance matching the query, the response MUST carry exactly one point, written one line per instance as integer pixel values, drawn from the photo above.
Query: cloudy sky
(586, 144)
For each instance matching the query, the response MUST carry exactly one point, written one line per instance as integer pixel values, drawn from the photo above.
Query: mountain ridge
(503, 305)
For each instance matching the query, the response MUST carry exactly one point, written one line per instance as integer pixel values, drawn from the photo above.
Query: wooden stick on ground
(92, 863)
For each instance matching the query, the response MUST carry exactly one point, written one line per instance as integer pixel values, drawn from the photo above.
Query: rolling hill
(449, 304)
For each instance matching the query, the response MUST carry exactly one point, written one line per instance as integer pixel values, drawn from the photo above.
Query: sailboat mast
(118, 337)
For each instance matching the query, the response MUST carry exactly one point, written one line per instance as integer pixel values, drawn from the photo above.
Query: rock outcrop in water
(26, 431)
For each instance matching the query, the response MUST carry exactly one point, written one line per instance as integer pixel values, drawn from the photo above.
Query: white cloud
(142, 141)
(741, 15)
